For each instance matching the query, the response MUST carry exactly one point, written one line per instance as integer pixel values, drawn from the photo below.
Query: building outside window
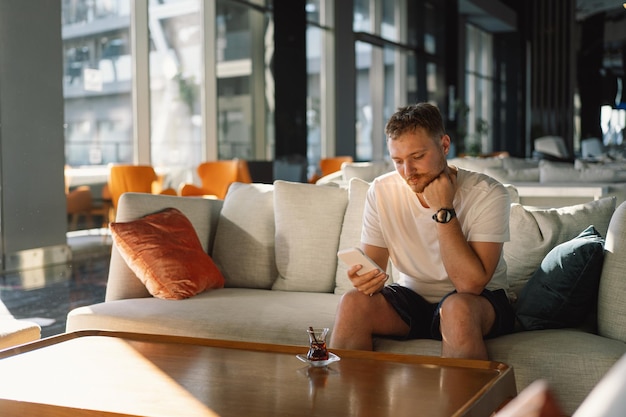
(97, 82)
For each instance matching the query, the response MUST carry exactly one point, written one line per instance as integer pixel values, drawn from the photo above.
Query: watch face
(444, 215)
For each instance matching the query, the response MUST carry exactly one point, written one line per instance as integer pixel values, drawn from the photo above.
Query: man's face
(418, 158)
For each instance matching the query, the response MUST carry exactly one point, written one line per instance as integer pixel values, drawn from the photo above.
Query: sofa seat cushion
(254, 315)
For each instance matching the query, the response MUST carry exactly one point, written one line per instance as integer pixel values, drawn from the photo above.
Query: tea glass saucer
(331, 358)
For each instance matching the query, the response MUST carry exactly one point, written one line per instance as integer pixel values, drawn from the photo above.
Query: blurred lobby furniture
(261, 172)
(134, 178)
(552, 147)
(330, 165)
(290, 168)
(104, 208)
(216, 177)
(366, 171)
(551, 183)
(79, 204)
(16, 332)
(592, 148)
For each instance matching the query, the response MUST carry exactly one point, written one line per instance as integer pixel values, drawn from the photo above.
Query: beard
(419, 182)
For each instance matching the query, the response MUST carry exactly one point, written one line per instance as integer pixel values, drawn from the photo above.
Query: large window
(175, 83)
(386, 70)
(99, 85)
(97, 82)
(479, 90)
(318, 81)
(245, 106)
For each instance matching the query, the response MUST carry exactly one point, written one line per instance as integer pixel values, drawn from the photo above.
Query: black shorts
(423, 316)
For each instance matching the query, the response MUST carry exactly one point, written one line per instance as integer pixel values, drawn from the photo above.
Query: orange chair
(216, 177)
(134, 178)
(330, 165)
(105, 208)
(79, 203)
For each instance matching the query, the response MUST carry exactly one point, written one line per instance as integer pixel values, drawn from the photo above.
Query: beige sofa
(276, 246)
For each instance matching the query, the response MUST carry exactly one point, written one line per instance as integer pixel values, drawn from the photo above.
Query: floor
(46, 295)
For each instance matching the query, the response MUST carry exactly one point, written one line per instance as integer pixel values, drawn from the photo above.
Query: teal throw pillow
(564, 290)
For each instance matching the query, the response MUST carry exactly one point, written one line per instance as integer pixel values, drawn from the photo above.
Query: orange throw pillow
(164, 251)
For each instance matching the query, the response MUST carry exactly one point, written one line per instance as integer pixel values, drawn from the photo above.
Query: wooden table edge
(254, 346)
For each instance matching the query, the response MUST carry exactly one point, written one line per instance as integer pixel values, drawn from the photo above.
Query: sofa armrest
(203, 213)
(612, 291)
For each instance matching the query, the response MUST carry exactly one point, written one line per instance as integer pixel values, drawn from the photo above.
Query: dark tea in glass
(317, 344)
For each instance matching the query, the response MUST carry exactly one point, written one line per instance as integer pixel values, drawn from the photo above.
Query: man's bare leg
(360, 316)
(465, 319)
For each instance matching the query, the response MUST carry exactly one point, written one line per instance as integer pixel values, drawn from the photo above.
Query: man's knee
(353, 301)
(466, 312)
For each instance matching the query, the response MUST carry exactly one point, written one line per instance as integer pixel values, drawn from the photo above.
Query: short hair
(415, 116)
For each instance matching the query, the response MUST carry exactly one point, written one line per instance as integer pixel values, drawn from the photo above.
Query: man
(444, 229)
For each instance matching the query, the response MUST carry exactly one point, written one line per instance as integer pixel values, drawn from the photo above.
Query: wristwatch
(444, 215)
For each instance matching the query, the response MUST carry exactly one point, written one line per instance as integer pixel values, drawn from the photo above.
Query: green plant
(187, 90)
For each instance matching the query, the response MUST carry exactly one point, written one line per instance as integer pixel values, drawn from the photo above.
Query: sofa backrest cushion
(534, 232)
(366, 171)
(351, 230)
(564, 289)
(612, 291)
(244, 240)
(308, 224)
(164, 252)
(203, 215)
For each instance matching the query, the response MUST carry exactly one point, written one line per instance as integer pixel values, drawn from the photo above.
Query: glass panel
(479, 90)
(390, 101)
(363, 101)
(175, 76)
(313, 11)
(234, 50)
(431, 30)
(314, 45)
(388, 28)
(97, 82)
(362, 16)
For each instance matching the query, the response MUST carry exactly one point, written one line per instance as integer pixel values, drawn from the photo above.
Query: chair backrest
(217, 176)
(333, 164)
(591, 147)
(130, 178)
(552, 145)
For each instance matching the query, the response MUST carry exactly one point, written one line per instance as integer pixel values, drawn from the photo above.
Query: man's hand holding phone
(363, 272)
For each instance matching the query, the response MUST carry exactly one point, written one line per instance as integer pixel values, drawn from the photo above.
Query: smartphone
(355, 256)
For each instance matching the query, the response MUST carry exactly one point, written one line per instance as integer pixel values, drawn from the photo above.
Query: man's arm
(470, 265)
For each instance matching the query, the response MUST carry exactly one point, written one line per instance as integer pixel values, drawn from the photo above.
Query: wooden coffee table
(98, 373)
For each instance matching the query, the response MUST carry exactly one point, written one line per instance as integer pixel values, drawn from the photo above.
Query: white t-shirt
(395, 219)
